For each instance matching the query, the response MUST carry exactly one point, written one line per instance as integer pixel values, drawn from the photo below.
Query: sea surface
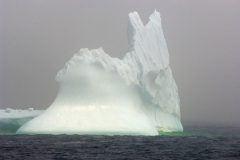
(196, 142)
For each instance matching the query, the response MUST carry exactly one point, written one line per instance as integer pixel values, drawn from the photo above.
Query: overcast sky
(38, 37)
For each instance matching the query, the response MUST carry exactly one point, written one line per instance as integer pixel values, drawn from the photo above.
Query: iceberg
(11, 119)
(99, 94)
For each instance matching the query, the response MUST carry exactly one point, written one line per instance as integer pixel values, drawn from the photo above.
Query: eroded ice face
(103, 95)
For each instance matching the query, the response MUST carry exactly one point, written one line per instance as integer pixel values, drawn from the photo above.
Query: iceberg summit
(99, 94)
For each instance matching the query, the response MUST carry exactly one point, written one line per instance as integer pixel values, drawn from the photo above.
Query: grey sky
(38, 37)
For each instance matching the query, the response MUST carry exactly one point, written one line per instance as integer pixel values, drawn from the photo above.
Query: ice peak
(148, 38)
(155, 17)
(136, 22)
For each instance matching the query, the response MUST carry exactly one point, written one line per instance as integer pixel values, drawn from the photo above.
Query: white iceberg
(102, 95)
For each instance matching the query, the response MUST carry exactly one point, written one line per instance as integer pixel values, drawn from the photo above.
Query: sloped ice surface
(11, 119)
(103, 95)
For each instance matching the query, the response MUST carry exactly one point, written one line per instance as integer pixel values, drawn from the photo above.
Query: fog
(38, 37)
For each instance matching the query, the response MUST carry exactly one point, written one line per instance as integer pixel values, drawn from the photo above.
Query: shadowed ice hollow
(99, 94)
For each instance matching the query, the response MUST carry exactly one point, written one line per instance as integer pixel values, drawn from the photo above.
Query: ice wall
(103, 95)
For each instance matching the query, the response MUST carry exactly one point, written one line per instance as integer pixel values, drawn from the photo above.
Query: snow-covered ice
(99, 94)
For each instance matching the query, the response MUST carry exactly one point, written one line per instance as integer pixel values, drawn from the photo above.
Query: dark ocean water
(196, 142)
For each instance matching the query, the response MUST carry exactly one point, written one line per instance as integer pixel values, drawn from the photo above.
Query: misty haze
(81, 70)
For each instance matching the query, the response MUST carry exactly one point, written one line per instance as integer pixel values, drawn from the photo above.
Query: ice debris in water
(102, 95)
